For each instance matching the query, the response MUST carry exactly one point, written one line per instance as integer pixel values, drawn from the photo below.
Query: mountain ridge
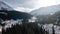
(46, 10)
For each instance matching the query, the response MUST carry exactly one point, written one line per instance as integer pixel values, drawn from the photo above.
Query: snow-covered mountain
(4, 6)
(46, 10)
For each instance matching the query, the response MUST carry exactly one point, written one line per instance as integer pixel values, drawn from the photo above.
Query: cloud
(31, 4)
(22, 3)
(22, 9)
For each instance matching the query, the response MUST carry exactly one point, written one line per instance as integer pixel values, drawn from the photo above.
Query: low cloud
(22, 9)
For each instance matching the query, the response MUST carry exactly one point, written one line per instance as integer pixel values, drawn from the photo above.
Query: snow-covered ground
(9, 23)
(48, 27)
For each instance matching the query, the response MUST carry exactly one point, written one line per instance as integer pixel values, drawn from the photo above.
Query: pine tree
(53, 31)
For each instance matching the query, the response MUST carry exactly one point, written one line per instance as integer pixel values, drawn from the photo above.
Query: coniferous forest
(27, 28)
(16, 27)
(11, 24)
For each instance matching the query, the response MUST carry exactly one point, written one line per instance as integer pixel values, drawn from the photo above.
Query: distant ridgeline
(8, 15)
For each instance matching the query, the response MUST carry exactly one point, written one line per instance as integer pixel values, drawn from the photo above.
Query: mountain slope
(46, 10)
(7, 15)
(4, 6)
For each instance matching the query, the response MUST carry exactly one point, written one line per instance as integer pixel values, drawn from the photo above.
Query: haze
(29, 5)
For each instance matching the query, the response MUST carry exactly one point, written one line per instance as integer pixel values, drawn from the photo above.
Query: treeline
(26, 28)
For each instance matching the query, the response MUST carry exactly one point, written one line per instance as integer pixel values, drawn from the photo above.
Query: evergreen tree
(53, 31)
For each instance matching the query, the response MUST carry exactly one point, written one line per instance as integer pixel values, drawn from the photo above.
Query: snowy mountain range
(46, 10)
(4, 6)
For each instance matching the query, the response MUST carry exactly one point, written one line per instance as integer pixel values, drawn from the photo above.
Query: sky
(29, 5)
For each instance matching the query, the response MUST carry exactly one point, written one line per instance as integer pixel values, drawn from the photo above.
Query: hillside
(7, 15)
(5, 6)
(46, 10)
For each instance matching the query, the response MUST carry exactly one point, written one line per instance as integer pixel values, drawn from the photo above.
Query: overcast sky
(28, 5)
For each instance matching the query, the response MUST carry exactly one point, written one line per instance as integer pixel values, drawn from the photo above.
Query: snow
(33, 19)
(9, 23)
(0, 28)
(48, 27)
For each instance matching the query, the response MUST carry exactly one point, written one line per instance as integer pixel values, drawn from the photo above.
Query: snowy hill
(4, 6)
(46, 10)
